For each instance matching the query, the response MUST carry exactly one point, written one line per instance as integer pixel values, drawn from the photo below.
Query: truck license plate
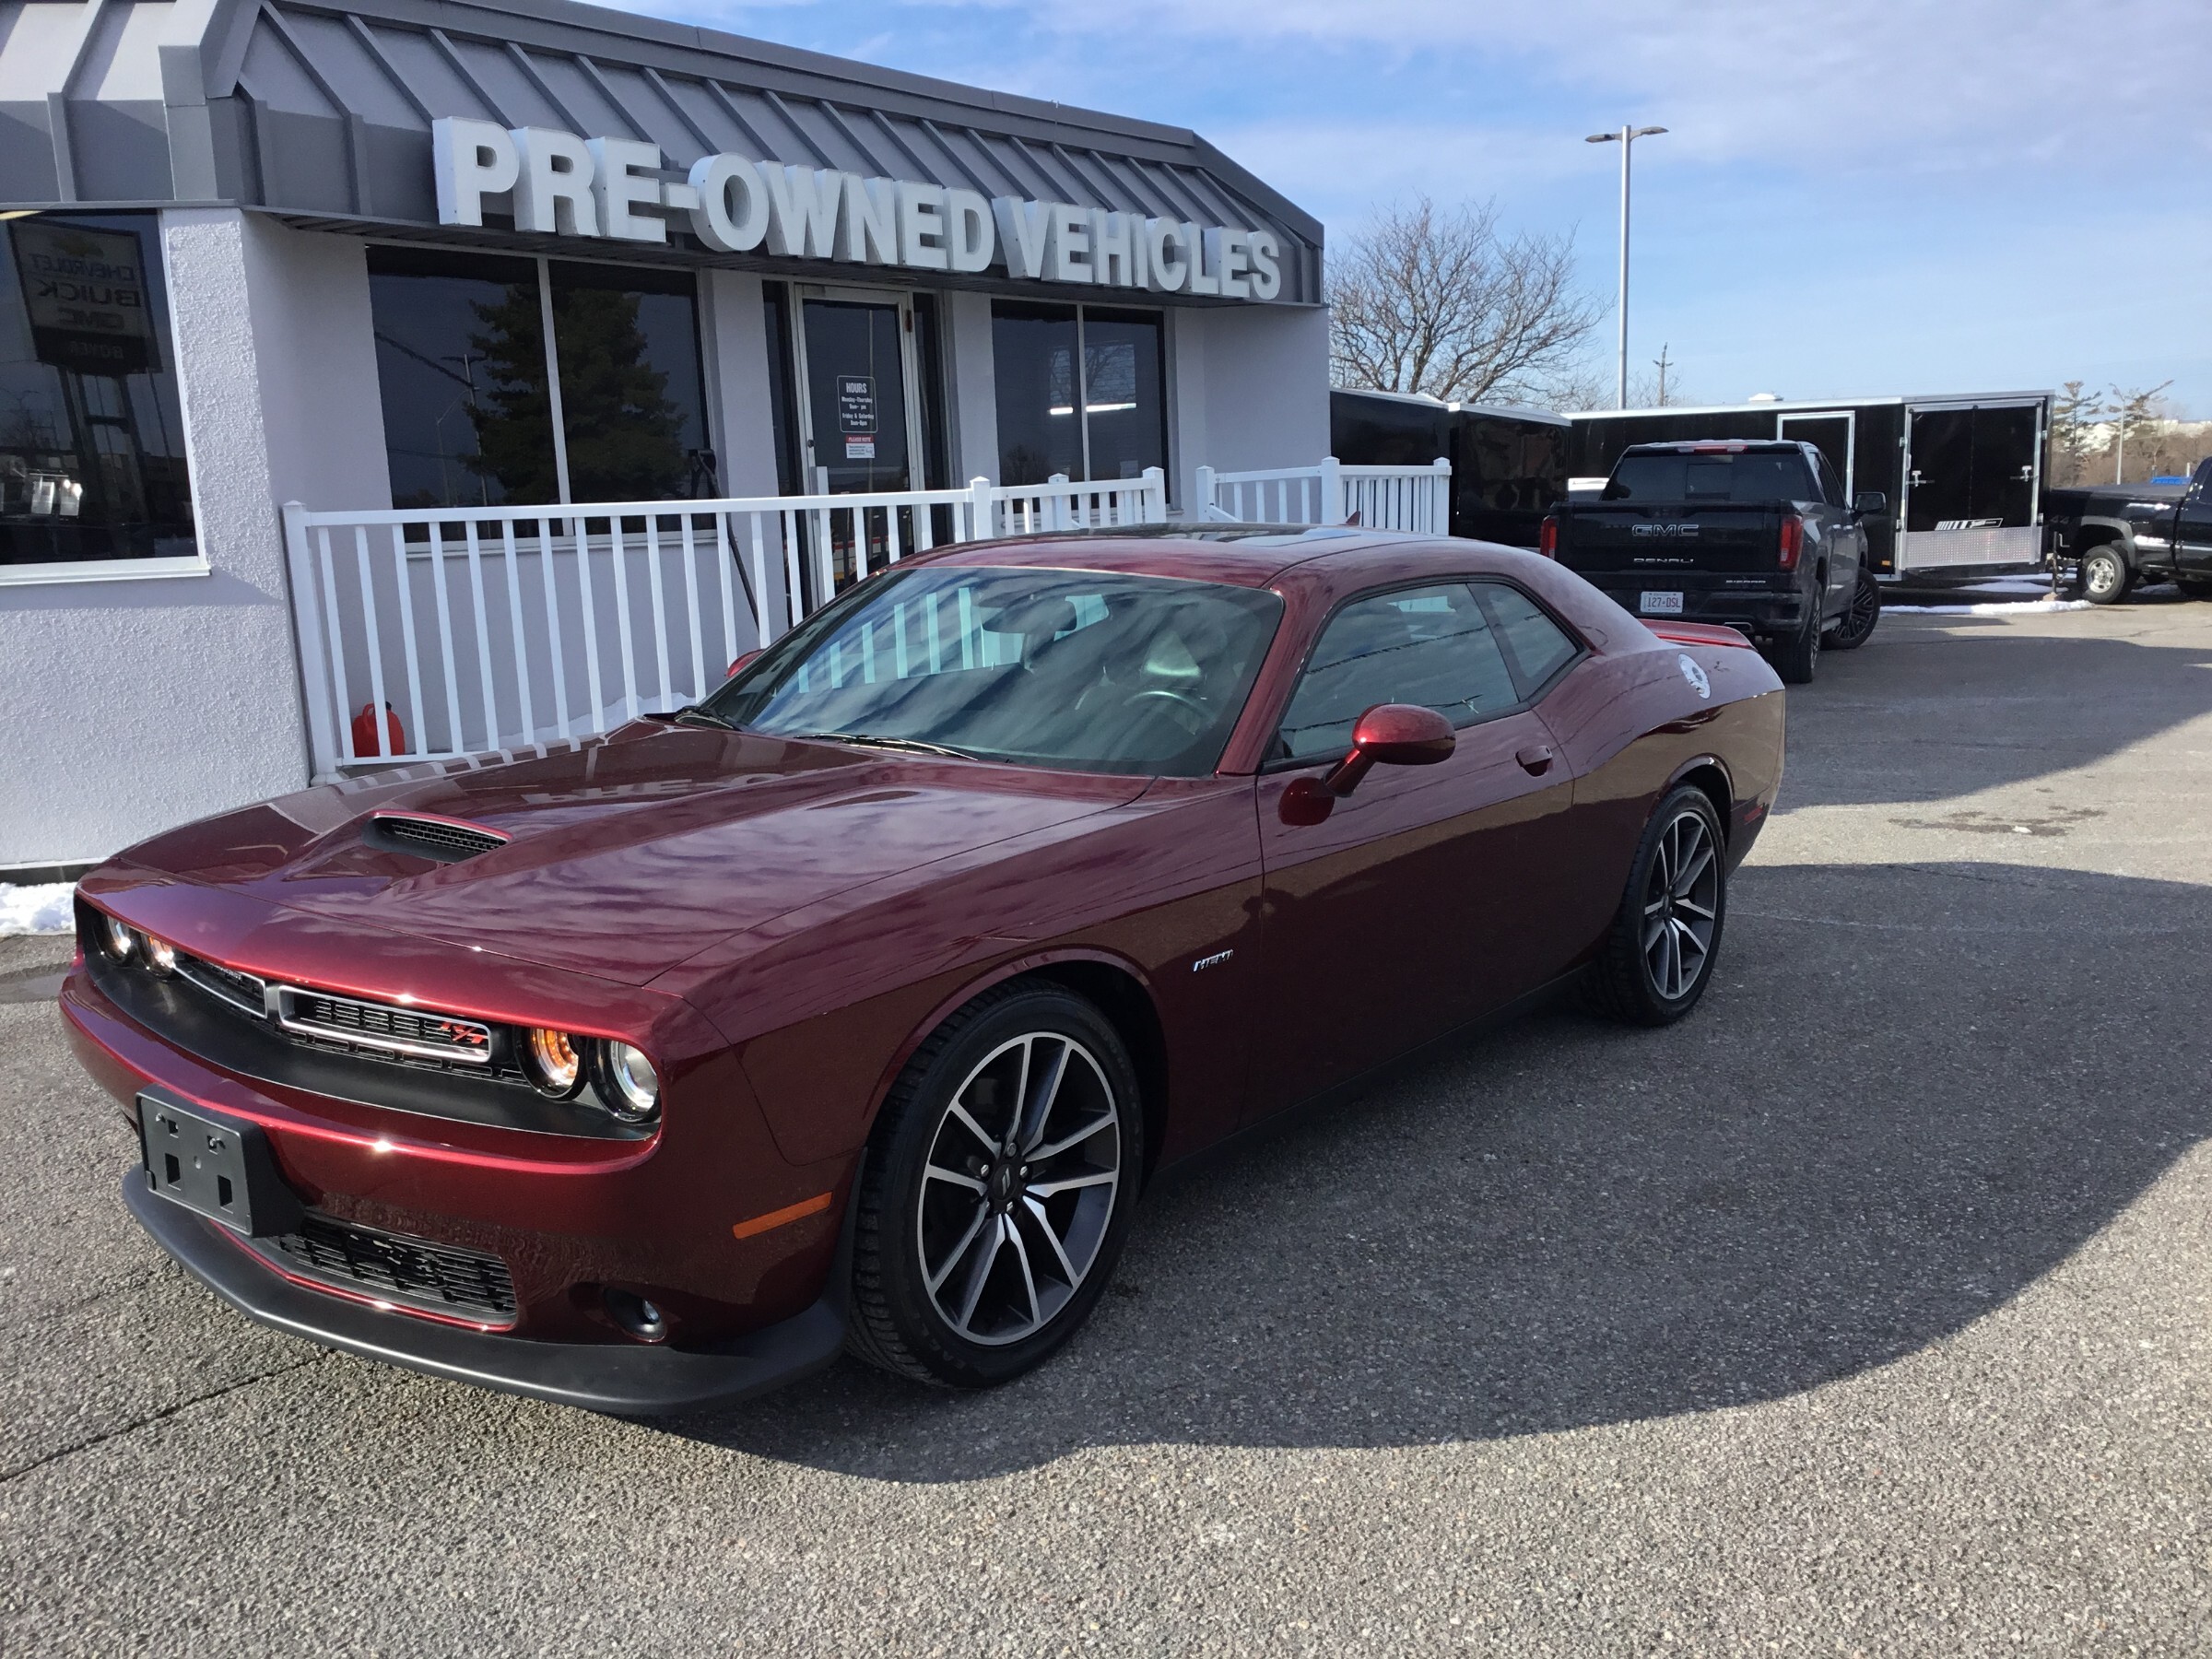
(1660, 604)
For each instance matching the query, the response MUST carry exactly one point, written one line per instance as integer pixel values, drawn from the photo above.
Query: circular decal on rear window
(1695, 675)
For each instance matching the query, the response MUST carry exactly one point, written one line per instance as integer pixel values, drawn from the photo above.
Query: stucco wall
(971, 405)
(132, 706)
(1250, 389)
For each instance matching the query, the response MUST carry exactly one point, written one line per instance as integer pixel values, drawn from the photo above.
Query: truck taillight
(1792, 540)
(1547, 538)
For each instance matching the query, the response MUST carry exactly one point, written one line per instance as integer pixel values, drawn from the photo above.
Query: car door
(1847, 540)
(1422, 900)
(2193, 526)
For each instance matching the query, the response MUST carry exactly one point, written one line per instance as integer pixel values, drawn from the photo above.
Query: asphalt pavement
(1869, 1311)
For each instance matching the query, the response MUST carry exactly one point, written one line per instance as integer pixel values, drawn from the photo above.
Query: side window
(1537, 647)
(1430, 645)
(1830, 485)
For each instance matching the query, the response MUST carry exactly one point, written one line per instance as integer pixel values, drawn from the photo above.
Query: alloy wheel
(1681, 906)
(1864, 612)
(1020, 1188)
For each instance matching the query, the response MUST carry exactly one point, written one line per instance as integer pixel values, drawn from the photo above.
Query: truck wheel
(2193, 587)
(1797, 659)
(2105, 577)
(1856, 626)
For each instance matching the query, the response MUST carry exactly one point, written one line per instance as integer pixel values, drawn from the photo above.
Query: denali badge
(1215, 960)
(1696, 675)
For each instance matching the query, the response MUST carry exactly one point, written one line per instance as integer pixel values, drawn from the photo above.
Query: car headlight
(118, 940)
(628, 1085)
(161, 955)
(554, 1060)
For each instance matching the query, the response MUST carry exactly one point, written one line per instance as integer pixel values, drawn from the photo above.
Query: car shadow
(1871, 1136)
(1858, 734)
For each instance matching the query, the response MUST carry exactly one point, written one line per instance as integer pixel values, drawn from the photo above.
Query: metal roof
(324, 112)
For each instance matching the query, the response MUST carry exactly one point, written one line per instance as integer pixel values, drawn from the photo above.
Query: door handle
(1536, 759)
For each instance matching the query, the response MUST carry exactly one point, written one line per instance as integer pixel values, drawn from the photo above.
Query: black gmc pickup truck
(2105, 539)
(1754, 535)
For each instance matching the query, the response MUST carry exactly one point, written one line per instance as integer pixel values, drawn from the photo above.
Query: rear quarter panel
(1632, 724)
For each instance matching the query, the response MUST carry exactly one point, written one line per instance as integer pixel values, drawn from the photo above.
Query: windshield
(1070, 669)
(1775, 475)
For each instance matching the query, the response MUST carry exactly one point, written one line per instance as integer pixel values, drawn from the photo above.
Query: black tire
(1797, 658)
(1625, 982)
(2105, 576)
(976, 1059)
(2192, 587)
(1856, 626)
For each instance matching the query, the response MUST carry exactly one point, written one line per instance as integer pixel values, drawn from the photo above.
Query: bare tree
(2073, 415)
(2130, 412)
(1445, 304)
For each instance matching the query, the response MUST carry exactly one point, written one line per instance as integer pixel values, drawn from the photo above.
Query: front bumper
(621, 1379)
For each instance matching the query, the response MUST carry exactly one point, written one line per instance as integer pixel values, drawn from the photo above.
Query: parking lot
(1870, 1309)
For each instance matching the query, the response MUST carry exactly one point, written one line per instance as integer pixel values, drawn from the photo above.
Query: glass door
(859, 428)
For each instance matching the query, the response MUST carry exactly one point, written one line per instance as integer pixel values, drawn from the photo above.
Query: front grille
(381, 1026)
(443, 1278)
(241, 991)
(433, 837)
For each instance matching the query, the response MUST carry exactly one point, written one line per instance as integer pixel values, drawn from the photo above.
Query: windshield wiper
(692, 714)
(867, 740)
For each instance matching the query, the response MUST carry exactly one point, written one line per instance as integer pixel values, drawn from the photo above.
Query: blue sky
(1854, 196)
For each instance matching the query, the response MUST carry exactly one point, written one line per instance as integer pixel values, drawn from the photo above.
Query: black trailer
(1963, 474)
(1508, 465)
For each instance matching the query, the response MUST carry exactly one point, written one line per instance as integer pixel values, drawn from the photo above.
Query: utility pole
(1626, 138)
(1659, 363)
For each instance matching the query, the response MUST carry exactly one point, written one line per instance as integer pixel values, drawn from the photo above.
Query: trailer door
(1972, 476)
(1834, 435)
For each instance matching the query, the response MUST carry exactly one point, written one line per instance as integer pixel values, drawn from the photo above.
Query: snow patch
(36, 909)
(1993, 608)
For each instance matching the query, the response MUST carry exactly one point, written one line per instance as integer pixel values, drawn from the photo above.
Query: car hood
(630, 854)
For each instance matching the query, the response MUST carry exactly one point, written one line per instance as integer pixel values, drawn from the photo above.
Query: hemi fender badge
(1203, 963)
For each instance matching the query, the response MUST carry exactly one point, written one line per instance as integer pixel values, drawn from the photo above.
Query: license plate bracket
(214, 1165)
(1660, 603)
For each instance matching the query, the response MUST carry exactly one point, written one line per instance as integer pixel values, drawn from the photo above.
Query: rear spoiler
(1696, 634)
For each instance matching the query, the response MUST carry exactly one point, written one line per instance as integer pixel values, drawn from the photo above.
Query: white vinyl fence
(1377, 498)
(489, 630)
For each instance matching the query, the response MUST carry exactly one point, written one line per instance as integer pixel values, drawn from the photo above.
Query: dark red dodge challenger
(854, 1007)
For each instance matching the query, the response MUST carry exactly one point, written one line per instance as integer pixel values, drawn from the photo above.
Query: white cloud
(1833, 81)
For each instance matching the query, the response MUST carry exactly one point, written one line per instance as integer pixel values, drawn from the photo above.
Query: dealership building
(300, 303)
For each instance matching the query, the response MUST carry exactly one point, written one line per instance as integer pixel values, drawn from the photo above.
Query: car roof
(1241, 554)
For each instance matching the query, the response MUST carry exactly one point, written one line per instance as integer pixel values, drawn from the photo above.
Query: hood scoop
(448, 841)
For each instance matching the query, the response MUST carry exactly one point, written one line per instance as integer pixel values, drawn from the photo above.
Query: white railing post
(315, 657)
(1156, 495)
(1333, 507)
(983, 512)
(1201, 502)
(1057, 514)
(1440, 498)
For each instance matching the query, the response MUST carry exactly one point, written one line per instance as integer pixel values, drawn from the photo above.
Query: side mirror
(1387, 734)
(1392, 735)
(1868, 502)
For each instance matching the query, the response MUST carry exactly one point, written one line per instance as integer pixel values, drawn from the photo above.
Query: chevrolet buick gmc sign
(563, 185)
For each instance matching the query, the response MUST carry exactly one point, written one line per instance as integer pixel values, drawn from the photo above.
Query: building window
(91, 438)
(1082, 390)
(470, 387)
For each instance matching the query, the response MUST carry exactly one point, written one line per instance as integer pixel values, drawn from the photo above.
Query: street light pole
(1626, 138)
